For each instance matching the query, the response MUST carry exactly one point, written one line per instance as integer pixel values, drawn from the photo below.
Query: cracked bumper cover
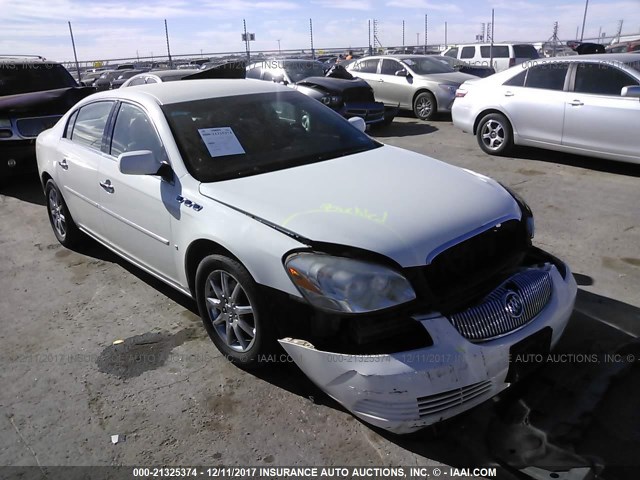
(406, 391)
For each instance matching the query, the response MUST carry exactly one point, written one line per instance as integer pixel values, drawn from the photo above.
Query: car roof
(27, 59)
(170, 73)
(185, 91)
(594, 57)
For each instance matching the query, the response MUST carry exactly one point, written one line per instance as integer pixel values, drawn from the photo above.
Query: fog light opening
(11, 163)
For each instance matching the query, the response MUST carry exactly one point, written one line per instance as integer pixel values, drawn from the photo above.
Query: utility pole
(313, 52)
(166, 32)
(584, 19)
(425, 34)
(403, 35)
(73, 43)
(370, 49)
(246, 40)
(493, 20)
(554, 38)
(279, 47)
(445, 35)
(418, 38)
(376, 40)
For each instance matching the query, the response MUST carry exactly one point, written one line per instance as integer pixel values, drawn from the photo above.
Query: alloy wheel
(56, 208)
(493, 134)
(230, 311)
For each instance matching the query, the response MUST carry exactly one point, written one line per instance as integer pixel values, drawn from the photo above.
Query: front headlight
(346, 285)
(448, 88)
(331, 100)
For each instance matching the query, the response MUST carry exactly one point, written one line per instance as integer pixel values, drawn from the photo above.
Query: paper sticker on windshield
(221, 141)
(409, 62)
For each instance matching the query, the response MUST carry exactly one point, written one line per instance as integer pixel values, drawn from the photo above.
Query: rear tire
(494, 134)
(62, 223)
(233, 311)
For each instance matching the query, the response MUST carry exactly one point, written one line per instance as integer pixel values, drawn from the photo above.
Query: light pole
(278, 46)
(584, 19)
(418, 38)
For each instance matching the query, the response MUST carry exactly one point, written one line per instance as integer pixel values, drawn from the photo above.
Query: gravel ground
(66, 388)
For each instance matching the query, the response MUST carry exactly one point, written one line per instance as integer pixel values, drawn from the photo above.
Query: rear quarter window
(525, 51)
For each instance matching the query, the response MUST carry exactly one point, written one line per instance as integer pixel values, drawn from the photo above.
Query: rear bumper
(407, 391)
(462, 116)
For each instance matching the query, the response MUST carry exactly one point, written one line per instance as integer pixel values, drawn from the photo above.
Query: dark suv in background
(34, 94)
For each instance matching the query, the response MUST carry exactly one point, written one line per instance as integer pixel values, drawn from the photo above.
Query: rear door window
(550, 76)
(366, 66)
(499, 51)
(88, 129)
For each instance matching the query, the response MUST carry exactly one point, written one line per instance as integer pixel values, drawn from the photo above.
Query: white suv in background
(504, 55)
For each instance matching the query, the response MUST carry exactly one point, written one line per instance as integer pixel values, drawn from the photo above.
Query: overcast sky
(116, 29)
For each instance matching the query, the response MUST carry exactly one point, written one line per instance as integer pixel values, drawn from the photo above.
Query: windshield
(300, 70)
(426, 65)
(231, 137)
(33, 77)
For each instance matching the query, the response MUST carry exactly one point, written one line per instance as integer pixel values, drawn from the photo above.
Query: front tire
(62, 223)
(494, 134)
(233, 311)
(425, 106)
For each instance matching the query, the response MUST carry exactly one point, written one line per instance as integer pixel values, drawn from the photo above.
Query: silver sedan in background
(411, 82)
(584, 104)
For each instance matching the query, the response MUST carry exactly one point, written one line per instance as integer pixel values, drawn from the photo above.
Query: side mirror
(139, 162)
(401, 73)
(631, 91)
(359, 123)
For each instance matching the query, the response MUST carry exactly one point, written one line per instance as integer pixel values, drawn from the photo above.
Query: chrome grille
(399, 411)
(509, 307)
(33, 126)
(445, 400)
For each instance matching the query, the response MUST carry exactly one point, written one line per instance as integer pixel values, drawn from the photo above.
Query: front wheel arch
(196, 252)
(486, 112)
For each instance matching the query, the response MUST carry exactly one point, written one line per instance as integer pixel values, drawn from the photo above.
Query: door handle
(63, 164)
(576, 103)
(107, 186)
(381, 80)
(508, 94)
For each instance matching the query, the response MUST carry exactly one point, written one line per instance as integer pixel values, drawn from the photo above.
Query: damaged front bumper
(406, 391)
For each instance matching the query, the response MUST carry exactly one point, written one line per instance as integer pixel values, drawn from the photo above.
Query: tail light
(512, 62)
(460, 93)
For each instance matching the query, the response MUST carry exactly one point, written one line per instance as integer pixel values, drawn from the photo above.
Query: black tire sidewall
(71, 230)
(508, 131)
(434, 107)
(264, 338)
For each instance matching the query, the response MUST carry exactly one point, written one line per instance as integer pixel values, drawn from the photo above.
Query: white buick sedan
(399, 284)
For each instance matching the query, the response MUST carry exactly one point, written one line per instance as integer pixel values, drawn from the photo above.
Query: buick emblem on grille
(513, 304)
